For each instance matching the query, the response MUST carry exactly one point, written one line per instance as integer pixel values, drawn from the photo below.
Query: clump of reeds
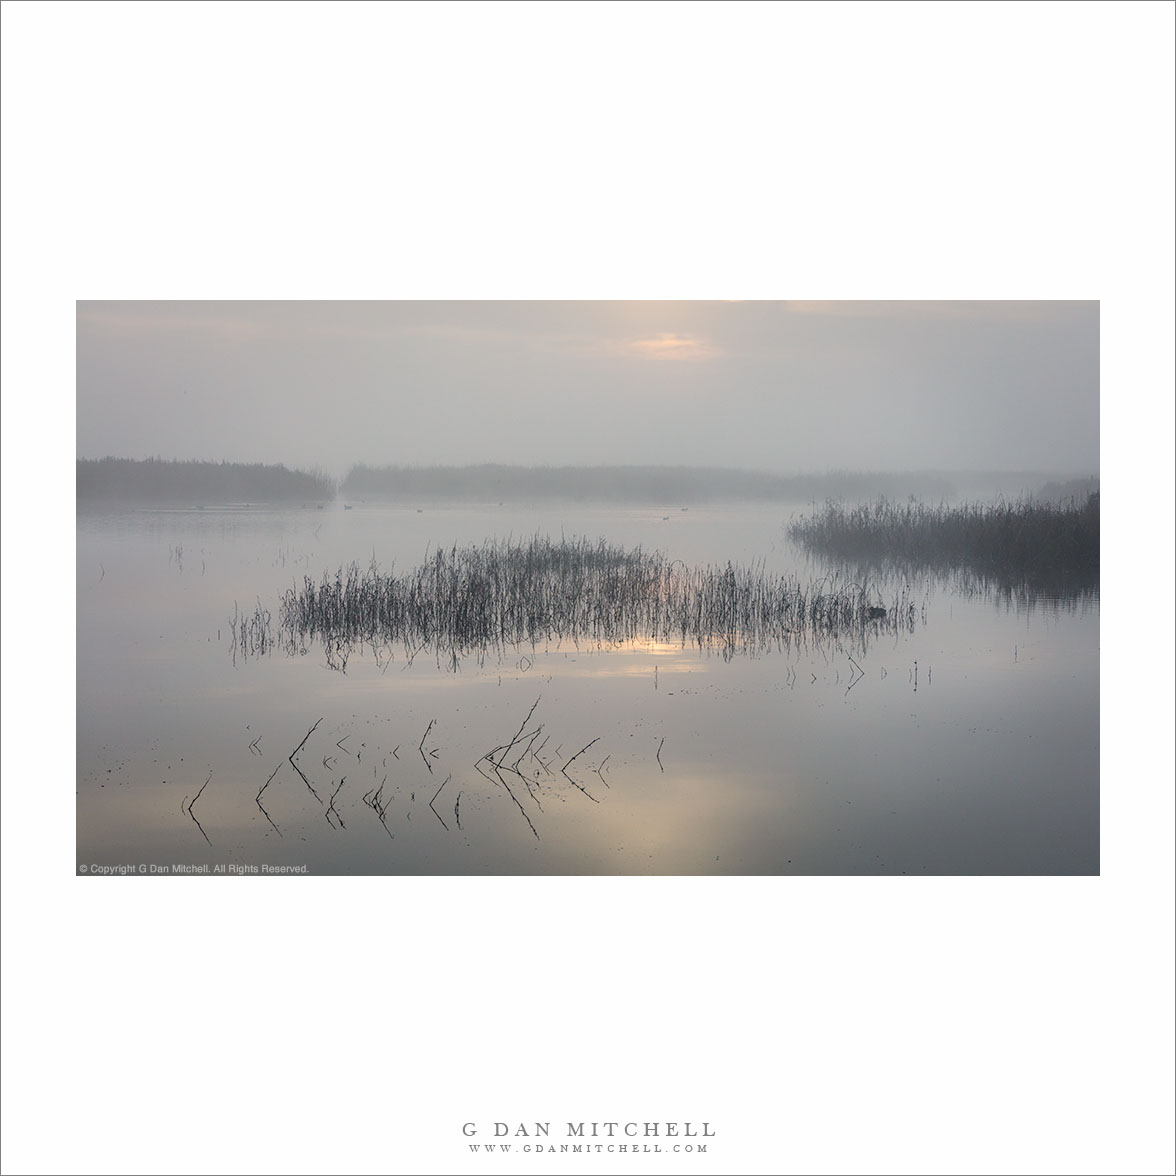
(1033, 548)
(502, 595)
(252, 632)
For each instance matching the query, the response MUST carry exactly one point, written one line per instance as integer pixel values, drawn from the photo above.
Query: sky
(788, 387)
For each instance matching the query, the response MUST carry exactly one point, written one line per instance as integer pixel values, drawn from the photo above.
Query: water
(966, 746)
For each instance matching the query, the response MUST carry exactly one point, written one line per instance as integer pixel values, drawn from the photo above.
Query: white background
(542, 150)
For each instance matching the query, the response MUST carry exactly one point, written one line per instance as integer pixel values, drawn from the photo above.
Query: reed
(499, 596)
(1026, 548)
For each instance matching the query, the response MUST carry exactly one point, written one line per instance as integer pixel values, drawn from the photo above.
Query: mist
(784, 387)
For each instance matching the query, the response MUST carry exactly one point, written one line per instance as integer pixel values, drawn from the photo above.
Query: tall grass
(1031, 548)
(471, 601)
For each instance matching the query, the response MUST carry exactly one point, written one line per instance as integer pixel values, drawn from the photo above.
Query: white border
(589, 150)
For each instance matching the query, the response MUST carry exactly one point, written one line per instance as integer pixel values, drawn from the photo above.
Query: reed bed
(502, 595)
(1034, 548)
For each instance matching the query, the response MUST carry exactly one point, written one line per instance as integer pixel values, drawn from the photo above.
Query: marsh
(962, 742)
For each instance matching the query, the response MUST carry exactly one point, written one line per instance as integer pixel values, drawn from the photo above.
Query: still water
(967, 745)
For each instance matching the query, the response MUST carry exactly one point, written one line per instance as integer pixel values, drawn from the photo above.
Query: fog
(787, 387)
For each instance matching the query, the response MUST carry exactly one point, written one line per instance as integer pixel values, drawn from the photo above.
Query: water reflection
(960, 741)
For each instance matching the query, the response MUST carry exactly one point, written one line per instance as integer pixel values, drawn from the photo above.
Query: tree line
(155, 480)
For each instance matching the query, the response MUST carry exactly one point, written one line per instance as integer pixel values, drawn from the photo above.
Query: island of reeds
(508, 595)
(115, 479)
(1026, 549)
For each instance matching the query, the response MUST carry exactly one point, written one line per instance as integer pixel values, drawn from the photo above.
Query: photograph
(593, 510)
(566, 588)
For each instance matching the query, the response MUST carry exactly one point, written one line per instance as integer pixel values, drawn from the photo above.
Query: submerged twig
(600, 771)
(331, 807)
(579, 753)
(516, 800)
(519, 732)
(193, 815)
(264, 813)
(421, 746)
(267, 783)
(298, 769)
(374, 801)
(437, 794)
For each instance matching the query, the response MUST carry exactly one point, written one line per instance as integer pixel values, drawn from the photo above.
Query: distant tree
(157, 480)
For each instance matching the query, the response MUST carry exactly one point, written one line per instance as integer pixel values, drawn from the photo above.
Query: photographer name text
(606, 1136)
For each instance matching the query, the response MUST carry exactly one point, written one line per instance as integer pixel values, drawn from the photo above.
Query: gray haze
(775, 386)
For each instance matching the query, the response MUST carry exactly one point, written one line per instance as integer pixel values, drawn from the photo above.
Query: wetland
(576, 688)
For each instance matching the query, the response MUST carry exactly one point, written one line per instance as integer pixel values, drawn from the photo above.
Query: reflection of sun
(636, 658)
(662, 648)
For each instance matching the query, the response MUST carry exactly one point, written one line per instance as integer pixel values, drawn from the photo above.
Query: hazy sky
(778, 386)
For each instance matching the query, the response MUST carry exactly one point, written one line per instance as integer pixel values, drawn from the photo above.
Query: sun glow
(667, 345)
